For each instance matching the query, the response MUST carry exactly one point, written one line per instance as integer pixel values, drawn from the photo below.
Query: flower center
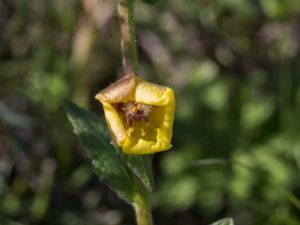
(135, 111)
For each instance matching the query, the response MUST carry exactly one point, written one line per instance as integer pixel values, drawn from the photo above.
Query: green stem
(131, 65)
(128, 37)
(141, 205)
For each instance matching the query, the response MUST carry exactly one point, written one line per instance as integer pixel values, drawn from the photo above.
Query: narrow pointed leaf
(141, 167)
(107, 164)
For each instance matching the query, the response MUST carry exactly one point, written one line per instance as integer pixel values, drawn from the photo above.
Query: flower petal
(114, 123)
(136, 144)
(141, 146)
(120, 91)
(151, 94)
(168, 119)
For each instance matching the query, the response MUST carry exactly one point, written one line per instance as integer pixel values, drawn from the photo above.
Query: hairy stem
(131, 65)
(141, 205)
(128, 37)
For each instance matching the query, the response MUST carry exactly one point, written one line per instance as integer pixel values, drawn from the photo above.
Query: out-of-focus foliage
(227, 221)
(152, 1)
(235, 67)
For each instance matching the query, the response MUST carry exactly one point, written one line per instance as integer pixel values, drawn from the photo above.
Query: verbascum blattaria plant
(138, 122)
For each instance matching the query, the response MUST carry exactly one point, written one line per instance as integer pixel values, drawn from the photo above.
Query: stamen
(135, 112)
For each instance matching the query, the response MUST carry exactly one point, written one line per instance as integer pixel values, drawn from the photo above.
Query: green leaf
(152, 2)
(141, 167)
(226, 221)
(94, 137)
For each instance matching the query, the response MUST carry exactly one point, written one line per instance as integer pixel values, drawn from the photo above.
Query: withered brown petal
(119, 91)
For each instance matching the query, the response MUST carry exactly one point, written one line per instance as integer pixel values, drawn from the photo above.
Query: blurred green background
(235, 68)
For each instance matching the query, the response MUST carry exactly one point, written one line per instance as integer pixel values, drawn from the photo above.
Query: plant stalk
(131, 65)
(128, 36)
(141, 205)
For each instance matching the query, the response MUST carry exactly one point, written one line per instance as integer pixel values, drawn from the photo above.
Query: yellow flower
(139, 114)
